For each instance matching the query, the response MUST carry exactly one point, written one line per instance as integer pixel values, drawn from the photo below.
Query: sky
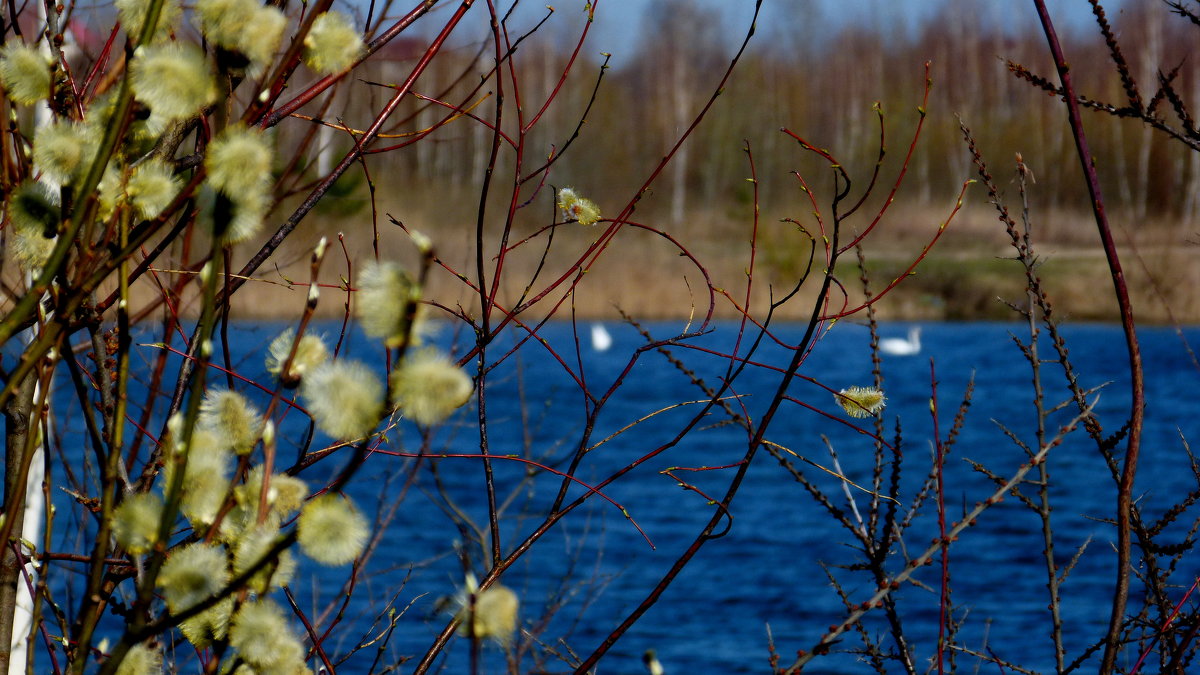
(617, 27)
(618, 20)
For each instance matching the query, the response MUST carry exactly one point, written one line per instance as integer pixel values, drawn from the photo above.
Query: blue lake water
(583, 578)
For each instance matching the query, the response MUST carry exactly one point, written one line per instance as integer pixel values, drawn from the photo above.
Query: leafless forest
(795, 75)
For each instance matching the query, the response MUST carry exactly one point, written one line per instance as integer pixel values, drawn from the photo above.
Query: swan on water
(601, 340)
(903, 346)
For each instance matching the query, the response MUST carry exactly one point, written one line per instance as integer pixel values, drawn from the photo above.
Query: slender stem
(174, 490)
(1137, 387)
(93, 598)
(1025, 254)
(939, 466)
(926, 557)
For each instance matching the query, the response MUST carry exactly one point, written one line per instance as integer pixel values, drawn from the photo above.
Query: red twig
(1162, 629)
(292, 58)
(226, 371)
(1137, 387)
(912, 146)
(308, 628)
(916, 261)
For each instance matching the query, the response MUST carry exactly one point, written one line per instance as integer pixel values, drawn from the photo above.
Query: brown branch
(1137, 388)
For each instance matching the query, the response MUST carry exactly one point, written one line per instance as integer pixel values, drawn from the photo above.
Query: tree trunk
(681, 101)
(1148, 79)
(18, 426)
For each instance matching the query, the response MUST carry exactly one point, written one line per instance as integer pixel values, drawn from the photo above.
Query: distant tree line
(801, 78)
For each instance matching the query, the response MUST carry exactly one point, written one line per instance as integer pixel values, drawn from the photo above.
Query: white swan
(902, 346)
(601, 340)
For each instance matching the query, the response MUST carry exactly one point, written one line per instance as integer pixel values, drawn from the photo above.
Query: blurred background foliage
(821, 79)
(816, 71)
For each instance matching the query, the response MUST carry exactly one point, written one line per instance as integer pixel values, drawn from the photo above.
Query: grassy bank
(969, 273)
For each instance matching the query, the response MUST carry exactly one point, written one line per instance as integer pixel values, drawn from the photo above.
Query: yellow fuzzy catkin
(31, 249)
(310, 353)
(285, 495)
(331, 531)
(252, 547)
(259, 45)
(245, 26)
(32, 210)
(249, 212)
(861, 401)
(24, 72)
(261, 635)
(211, 624)
(132, 14)
(152, 187)
(144, 132)
(173, 80)
(282, 668)
(206, 478)
(111, 190)
(62, 150)
(384, 292)
(224, 21)
(332, 44)
(192, 573)
(580, 209)
(141, 659)
(231, 419)
(490, 614)
(345, 398)
(427, 387)
(136, 522)
(239, 159)
(239, 164)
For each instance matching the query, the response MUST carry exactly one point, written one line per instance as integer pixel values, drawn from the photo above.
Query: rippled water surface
(768, 574)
